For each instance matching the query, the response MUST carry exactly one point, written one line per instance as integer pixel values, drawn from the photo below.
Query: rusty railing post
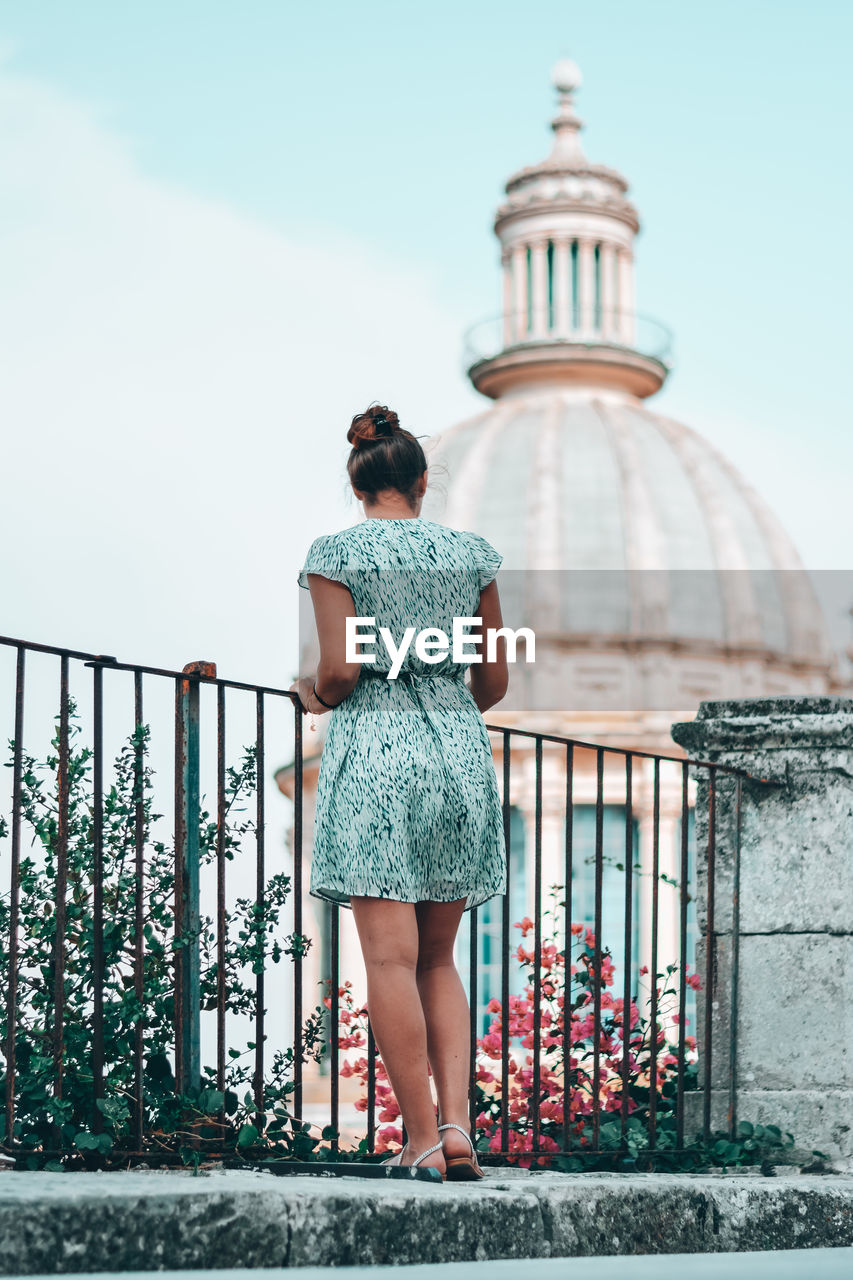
(187, 783)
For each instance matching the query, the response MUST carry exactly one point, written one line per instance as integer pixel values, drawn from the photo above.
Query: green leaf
(248, 1136)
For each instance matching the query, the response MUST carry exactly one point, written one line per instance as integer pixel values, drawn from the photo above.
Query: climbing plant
(58, 1122)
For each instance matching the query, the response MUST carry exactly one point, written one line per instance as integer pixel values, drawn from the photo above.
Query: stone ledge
(144, 1221)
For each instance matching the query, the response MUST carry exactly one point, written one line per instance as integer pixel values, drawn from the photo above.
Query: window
(573, 282)
(597, 272)
(550, 285)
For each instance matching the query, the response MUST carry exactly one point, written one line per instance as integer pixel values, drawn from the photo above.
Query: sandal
(397, 1159)
(462, 1168)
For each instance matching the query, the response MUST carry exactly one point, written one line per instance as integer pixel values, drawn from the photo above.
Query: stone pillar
(506, 266)
(627, 327)
(782, 949)
(539, 281)
(609, 317)
(519, 277)
(562, 288)
(586, 270)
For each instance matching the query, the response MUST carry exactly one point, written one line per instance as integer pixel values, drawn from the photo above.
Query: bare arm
(489, 680)
(336, 678)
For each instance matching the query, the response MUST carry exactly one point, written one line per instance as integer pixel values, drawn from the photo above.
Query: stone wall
(791, 932)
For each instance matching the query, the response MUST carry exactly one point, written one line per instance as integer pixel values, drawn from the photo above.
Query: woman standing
(409, 829)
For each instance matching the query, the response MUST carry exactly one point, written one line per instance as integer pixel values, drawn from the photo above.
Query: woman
(409, 829)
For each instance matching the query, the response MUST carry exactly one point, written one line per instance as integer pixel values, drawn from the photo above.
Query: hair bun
(376, 423)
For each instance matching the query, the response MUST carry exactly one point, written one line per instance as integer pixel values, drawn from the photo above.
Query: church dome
(637, 538)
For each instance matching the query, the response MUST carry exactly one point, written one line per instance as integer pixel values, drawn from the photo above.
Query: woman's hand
(302, 688)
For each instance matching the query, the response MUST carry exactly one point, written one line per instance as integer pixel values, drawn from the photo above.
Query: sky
(226, 228)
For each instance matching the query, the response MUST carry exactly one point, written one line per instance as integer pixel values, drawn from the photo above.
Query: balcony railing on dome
(170, 993)
(629, 331)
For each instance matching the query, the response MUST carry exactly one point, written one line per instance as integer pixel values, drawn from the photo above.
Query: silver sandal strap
(426, 1153)
(451, 1125)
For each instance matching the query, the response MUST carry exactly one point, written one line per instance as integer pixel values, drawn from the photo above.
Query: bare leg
(388, 933)
(445, 1008)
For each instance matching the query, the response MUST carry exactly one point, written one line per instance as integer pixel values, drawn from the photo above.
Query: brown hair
(384, 455)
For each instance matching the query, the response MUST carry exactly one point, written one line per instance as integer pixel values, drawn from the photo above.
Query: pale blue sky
(386, 130)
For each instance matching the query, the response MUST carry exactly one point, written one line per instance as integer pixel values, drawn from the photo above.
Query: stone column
(627, 326)
(586, 270)
(609, 317)
(562, 288)
(782, 949)
(519, 278)
(506, 266)
(539, 281)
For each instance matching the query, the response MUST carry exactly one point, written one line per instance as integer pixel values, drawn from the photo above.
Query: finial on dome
(566, 78)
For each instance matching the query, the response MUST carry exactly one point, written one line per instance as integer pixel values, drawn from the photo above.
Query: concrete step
(56, 1223)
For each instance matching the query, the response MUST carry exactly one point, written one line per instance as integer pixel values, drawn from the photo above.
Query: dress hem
(474, 898)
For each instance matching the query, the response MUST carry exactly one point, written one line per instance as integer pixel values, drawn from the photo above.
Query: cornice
(622, 211)
(550, 168)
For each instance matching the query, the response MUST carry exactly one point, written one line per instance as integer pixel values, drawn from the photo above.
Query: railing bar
(180, 839)
(596, 1003)
(297, 911)
(61, 881)
(139, 900)
(733, 1003)
(221, 919)
(568, 876)
(653, 1047)
(682, 964)
(629, 942)
(619, 751)
(473, 997)
(709, 952)
(335, 1021)
(371, 1088)
(537, 951)
(15, 896)
(260, 901)
(293, 697)
(96, 659)
(505, 941)
(190, 887)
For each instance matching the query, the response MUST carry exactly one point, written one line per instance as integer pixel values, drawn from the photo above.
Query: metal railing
(77, 835)
(620, 329)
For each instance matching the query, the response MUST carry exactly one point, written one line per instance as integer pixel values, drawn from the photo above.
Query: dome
(650, 570)
(660, 541)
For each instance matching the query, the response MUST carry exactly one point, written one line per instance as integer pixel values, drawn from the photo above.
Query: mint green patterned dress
(407, 798)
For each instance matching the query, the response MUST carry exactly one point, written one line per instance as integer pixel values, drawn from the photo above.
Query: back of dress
(407, 802)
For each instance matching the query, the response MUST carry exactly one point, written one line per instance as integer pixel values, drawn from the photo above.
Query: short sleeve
(486, 559)
(326, 559)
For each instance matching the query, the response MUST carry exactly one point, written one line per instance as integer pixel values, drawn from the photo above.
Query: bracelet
(330, 706)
